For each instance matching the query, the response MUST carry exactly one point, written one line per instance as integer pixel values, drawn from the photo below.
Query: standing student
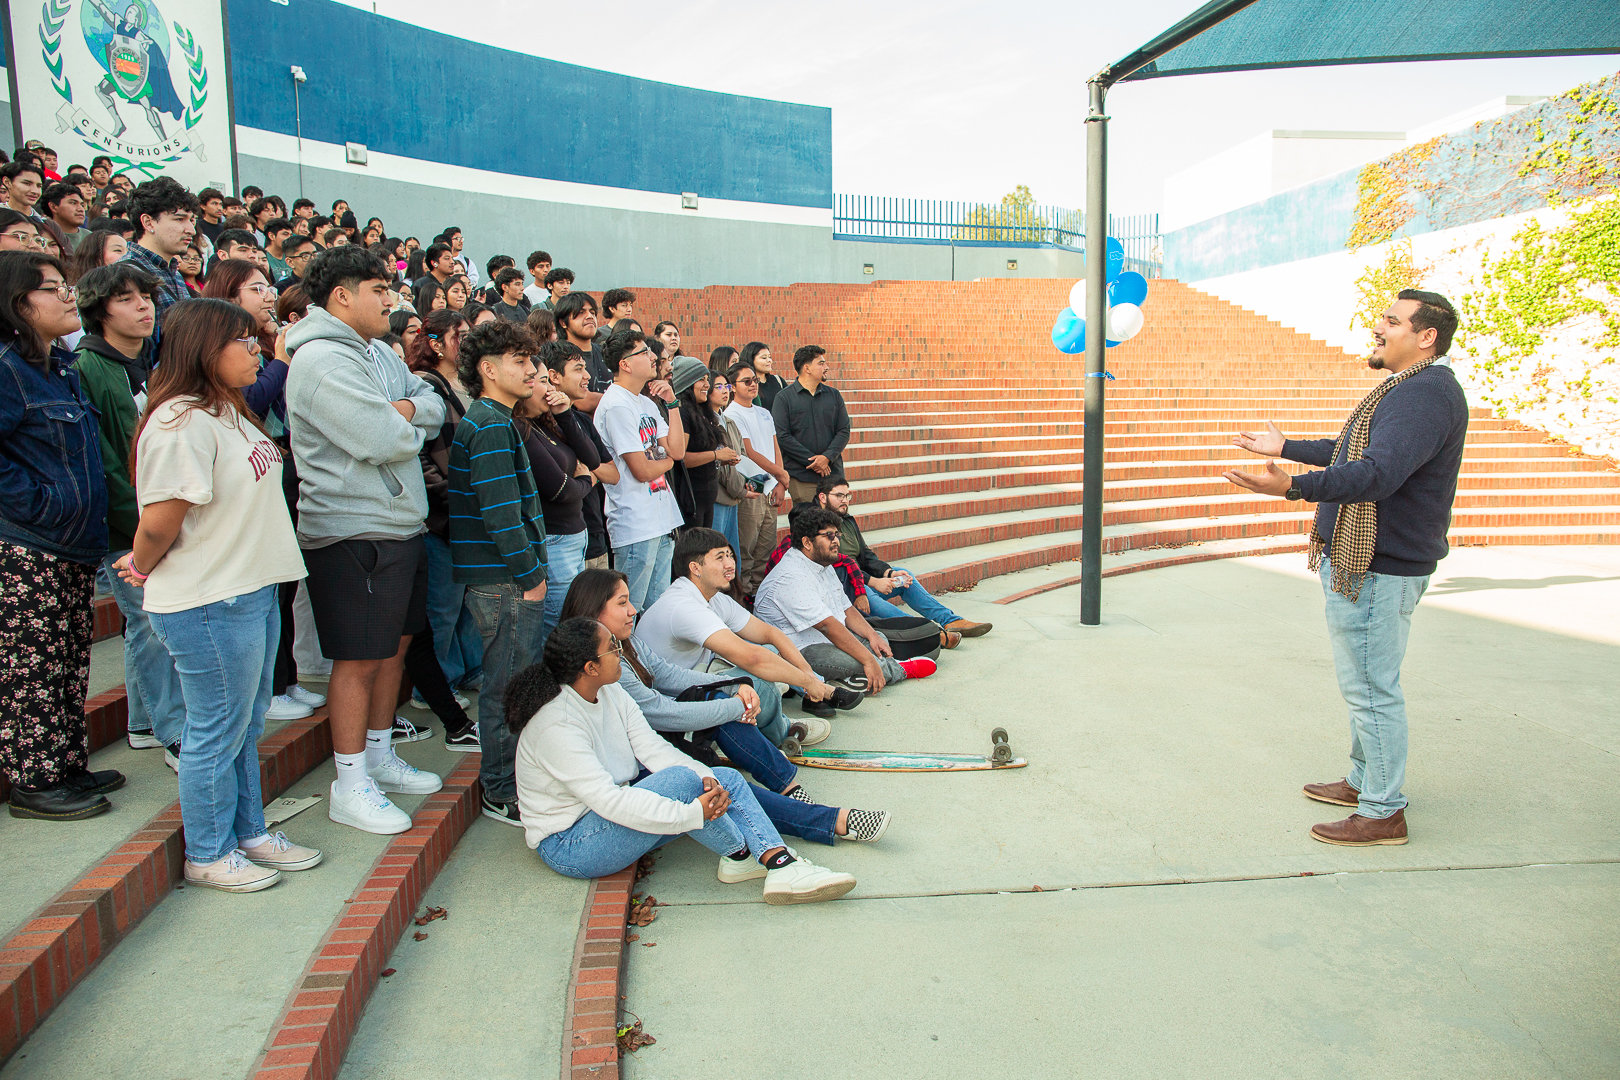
(757, 355)
(812, 425)
(165, 218)
(762, 469)
(498, 538)
(570, 374)
(706, 448)
(539, 265)
(213, 546)
(730, 489)
(642, 514)
(359, 417)
(53, 533)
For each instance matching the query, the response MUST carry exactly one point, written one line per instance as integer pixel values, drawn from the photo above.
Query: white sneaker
(143, 740)
(733, 870)
(396, 774)
(367, 809)
(171, 757)
(803, 882)
(308, 697)
(283, 707)
(233, 873)
(280, 853)
(815, 730)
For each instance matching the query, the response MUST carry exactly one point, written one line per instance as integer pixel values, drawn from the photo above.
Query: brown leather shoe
(968, 628)
(1339, 793)
(1358, 831)
(949, 639)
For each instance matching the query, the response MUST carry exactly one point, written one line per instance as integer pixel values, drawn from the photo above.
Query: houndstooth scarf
(1355, 529)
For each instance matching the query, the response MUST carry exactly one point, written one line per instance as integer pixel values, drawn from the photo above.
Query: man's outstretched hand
(1270, 444)
(1271, 482)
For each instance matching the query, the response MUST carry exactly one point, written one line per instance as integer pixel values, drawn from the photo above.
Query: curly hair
(493, 339)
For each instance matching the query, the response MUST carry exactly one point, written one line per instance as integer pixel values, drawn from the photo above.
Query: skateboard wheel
(1002, 754)
(791, 748)
(998, 735)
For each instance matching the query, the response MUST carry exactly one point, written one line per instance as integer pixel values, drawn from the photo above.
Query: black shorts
(366, 595)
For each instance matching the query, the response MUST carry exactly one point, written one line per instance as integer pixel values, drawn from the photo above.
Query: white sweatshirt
(574, 756)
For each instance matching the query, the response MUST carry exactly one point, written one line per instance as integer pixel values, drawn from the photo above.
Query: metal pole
(1091, 522)
(298, 119)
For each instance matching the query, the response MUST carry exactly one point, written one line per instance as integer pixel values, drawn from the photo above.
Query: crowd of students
(285, 442)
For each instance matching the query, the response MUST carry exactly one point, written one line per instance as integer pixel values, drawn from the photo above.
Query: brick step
(1015, 384)
(1125, 433)
(109, 620)
(1290, 418)
(1133, 448)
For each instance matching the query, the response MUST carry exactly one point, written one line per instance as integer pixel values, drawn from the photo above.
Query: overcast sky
(965, 99)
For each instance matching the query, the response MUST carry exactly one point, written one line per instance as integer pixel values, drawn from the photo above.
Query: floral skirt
(46, 623)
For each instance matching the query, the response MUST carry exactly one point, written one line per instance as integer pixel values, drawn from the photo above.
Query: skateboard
(1001, 757)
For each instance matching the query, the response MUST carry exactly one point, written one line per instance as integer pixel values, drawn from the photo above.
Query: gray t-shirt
(797, 594)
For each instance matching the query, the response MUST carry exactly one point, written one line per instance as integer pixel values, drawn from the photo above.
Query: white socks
(379, 747)
(351, 771)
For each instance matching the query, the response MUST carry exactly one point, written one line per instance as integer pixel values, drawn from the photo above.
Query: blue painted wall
(403, 90)
(1299, 224)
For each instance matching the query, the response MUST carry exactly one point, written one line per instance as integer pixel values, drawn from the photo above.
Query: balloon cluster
(1127, 290)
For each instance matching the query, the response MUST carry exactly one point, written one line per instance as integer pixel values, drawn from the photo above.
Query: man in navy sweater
(1383, 507)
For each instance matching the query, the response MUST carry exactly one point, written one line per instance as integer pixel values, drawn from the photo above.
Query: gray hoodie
(358, 473)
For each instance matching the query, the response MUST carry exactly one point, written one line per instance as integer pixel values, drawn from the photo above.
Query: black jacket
(809, 425)
(853, 544)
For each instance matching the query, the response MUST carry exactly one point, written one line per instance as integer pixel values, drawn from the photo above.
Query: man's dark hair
(496, 262)
(737, 369)
(560, 273)
(233, 203)
(55, 193)
(345, 266)
(300, 204)
(294, 244)
(492, 339)
(276, 225)
(236, 238)
(619, 344)
(319, 222)
(805, 354)
(809, 521)
(154, 198)
(557, 354)
(451, 231)
(570, 306)
(536, 258)
(694, 546)
(332, 234)
(118, 209)
(259, 206)
(105, 283)
(507, 275)
(827, 483)
(101, 159)
(252, 192)
(433, 254)
(1435, 313)
(209, 194)
(20, 166)
(614, 297)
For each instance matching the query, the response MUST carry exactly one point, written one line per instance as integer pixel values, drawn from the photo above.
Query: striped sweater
(497, 534)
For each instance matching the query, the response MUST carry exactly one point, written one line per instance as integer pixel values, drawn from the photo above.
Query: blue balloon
(1116, 258)
(1069, 332)
(1129, 288)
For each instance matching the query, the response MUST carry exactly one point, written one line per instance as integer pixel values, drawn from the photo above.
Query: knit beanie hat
(689, 371)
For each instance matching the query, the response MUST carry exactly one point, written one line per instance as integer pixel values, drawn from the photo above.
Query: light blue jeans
(514, 637)
(771, 721)
(725, 522)
(647, 566)
(456, 641)
(1369, 643)
(156, 703)
(594, 846)
(225, 653)
(565, 558)
(919, 599)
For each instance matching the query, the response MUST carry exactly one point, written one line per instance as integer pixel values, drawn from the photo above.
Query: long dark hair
(588, 595)
(228, 278)
(720, 359)
(420, 357)
(751, 350)
(195, 332)
(91, 252)
(21, 272)
(570, 647)
(415, 266)
(698, 419)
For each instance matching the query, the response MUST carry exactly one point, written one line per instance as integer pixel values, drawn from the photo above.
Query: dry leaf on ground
(431, 914)
(420, 936)
(632, 1038)
(385, 972)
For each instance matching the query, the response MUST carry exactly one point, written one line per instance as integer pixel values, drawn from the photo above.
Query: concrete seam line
(58, 947)
(590, 1044)
(340, 975)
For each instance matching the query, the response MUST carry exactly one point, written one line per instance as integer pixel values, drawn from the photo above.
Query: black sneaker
(405, 731)
(845, 698)
(851, 682)
(823, 709)
(504, 812)
(464, 741)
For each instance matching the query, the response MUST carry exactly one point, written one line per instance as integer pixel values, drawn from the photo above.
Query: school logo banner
(141, 81)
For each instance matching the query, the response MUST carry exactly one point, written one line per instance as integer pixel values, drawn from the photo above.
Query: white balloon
(1077, 298)
(1124, 322)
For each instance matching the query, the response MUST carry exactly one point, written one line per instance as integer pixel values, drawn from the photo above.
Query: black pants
(286, 670)
(427, 677)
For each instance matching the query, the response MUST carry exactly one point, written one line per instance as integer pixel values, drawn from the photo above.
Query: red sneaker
(918, 667)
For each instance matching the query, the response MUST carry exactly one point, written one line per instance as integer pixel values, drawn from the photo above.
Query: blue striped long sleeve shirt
(497, 533)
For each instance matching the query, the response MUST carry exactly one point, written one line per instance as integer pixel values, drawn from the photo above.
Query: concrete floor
(1169, 746)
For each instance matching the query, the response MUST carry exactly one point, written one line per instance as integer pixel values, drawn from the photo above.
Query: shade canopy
(1312, 33)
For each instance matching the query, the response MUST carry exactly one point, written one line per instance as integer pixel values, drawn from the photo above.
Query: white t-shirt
(680, 621)
(757, 426)
(629, 424)
(237, 537)
(797, 594)
(537, 294)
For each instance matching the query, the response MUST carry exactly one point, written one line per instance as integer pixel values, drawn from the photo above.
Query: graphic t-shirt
(680, 621)
(237, 537)
(759, 428)
(629, 424)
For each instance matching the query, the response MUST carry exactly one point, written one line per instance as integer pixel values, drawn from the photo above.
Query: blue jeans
(748, 746)
(772, 723)
(225, 653)
(156, 703)
(1369, 643)
(725, 522)
(456, 641)
(565, 558)
(594, 846)
(514, 636)
(647, 566)
(919, 599)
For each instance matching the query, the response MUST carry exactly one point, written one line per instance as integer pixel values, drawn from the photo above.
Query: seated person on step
(598, 788)
(730, 710)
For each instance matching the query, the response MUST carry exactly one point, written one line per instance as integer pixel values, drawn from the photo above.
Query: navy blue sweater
(1409, 469)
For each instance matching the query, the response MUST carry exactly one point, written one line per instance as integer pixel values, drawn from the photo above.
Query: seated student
(885, 581)
(696, 619)
(676, 700)
(802, 597)
(598, 788)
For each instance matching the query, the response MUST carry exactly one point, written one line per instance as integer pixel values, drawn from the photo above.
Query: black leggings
(422, 668)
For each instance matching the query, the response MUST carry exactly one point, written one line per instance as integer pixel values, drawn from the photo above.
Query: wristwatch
(1293, 493)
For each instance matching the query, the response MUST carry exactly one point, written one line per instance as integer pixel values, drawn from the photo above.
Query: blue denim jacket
(53, 496)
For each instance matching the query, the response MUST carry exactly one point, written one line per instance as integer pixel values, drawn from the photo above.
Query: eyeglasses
(618, 647)
(26, 237)
(747, 382)
(262, 289)
(643, 351)
(828, 534)
(64, 292)
(302, 255)
(252, 344)
(720, 386)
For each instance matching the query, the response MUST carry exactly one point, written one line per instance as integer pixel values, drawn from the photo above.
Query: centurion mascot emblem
(131, 72)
